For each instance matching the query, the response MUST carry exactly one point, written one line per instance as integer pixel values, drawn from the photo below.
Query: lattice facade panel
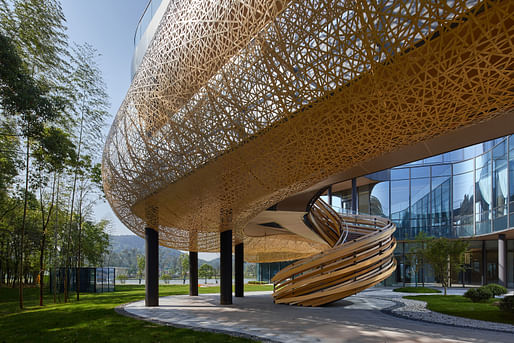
(240, 105)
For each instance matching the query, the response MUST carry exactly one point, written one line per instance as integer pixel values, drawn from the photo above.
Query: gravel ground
(416, 310)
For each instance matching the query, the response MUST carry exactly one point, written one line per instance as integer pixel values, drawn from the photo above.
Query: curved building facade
(240, 114)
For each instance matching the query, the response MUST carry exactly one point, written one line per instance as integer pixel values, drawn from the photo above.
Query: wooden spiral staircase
(361, 255)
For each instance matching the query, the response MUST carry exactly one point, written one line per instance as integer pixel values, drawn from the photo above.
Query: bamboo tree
(91, 111)
(37, 30)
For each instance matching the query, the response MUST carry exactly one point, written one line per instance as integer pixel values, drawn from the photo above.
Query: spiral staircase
(361, 255)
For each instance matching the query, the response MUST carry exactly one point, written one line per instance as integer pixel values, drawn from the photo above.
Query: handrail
(348, 267)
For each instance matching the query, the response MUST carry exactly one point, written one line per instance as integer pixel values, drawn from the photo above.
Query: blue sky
(109, 26)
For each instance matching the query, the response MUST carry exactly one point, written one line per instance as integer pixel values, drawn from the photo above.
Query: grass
(460, 306)
(416, 290)
(93, 319)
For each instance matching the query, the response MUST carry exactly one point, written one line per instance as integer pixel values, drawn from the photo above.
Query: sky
(109, 26)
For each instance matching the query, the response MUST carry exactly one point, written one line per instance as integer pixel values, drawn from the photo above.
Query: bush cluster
(478, 294)
(507, 304)
(257, 282)
(485, 292)
(496, 289)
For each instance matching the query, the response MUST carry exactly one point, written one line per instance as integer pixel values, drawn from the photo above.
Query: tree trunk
(25, 200)
(54, 253)
(44, 223)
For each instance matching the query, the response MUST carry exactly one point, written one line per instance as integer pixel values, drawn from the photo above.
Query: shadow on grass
(91, 319)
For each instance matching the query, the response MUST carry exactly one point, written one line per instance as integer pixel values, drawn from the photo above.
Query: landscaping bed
(416, 290)
(456, 305)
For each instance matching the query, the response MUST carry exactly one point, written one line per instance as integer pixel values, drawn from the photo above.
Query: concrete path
(354, 319)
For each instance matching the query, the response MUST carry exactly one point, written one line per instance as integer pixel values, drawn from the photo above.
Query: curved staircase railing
(361, 255)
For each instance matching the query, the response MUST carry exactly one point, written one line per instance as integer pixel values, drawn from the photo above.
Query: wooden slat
(344, 269)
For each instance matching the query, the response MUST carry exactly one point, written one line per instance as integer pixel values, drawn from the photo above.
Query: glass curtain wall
(463, 193)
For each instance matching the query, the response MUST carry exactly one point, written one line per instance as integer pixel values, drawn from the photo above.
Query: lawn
(93, 319)
(460, 306)
(416, 290)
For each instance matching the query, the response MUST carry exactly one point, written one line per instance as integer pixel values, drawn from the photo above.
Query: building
(463, 194)
(240, 116)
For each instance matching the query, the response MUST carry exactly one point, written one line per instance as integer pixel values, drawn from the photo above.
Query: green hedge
(478, 294)
(495, 289)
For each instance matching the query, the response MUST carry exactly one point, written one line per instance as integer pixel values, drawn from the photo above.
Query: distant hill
(119, 243)
(124, 250)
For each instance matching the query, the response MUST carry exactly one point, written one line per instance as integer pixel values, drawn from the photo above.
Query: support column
(239, 269)
(193, 273)
(226, 267)
(152, 267)
(502, 260)
(329, 194)
(355, 196)
(484, 264)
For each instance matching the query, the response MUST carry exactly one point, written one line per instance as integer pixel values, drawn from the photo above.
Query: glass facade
(463, 193)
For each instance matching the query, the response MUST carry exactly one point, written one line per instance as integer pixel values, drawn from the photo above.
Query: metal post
(226, 267)
(193, 273)
(239, 269)
(355, 199)
(329, 193)
(152, 267)
(502, 260)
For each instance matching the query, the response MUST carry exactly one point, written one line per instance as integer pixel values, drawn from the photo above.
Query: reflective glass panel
(440, 209)
(420, 205)
(420, 172)
(463, 204)
(500, 185)
(463, 167)
(442, 170)
(400, 206)
(483, 197)
(398, 174)
(379, 199)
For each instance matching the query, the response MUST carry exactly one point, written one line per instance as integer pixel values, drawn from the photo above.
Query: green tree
(444, 255)
(184, 266)
(140, 267)
(32, 106)
(206, 271)
(89, 106)
(166, 277)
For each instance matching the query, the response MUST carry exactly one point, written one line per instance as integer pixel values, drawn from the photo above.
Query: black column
(239, 269)
(355, 196)
(329, 195)
(193, 273)
(502, 260)
(152, 267)
(226, 267)
(484, 264)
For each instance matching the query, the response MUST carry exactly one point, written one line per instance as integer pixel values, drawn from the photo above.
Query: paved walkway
(354, 319)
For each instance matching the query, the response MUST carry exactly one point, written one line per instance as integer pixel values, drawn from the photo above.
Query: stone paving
(359, 318)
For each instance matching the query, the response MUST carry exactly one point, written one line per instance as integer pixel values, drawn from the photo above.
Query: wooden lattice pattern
(240, 104)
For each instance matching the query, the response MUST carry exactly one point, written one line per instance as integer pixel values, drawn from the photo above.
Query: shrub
(507, 304)
(257, 282)
(496, 289)
(122, 278)
(478, 294)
